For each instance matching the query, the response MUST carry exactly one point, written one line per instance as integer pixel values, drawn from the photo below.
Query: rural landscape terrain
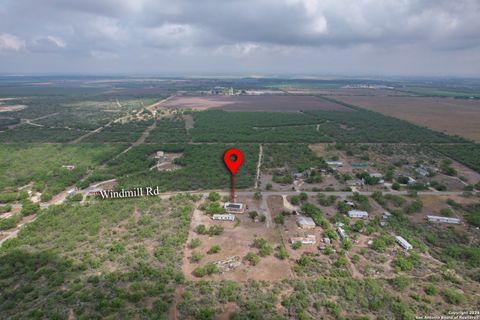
(360, 198)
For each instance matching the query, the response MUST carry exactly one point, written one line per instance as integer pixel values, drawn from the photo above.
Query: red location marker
(233, 159)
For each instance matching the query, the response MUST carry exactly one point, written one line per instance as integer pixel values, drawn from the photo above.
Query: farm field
(452, 116)
(268, 103)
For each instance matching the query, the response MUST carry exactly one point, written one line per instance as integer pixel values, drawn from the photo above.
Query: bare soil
(236, 240)
(452, 116)
(270, 103)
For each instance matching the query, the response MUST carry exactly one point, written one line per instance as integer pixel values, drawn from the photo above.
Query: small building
(305, 222)
(234, 207)
(355, 183)
(309, 239)
(69, 166)
(443, 219)
(224, 217)
(411, 181)
(341, 233)
(359, 164)
(358, 214)
(421, 171)
(327, 240)
(339, 224)
(298, 175)
(335, 163)
(403, 243)
(386, 215)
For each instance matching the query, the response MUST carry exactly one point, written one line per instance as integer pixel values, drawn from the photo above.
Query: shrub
(453, 297)
(253, 214)
(196, 257)
(402, 282)
(257, 195)
(347, 244)
(431, 290)
(396, 186)
(252, 258)
(215, 230)
(28, 208)
(279, 219)
(211, 268)
(295, 200)
(201, 229)
(214, 249)
(6, 208)
(263, 218)
(282, 253)
(303, 196)
(213, 196)
(447, 212)
(9, 223)
(296, 245)
(194, 243)
(268, 186)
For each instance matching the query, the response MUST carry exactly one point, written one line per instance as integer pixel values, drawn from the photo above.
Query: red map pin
(233, 159)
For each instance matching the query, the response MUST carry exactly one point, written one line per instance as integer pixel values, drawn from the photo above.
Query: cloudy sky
(316, 37)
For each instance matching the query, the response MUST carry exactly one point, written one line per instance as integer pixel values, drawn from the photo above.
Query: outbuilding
(443, 219)
(305, 222)
(224, 217)
(403, 243)
(358, 214)
(234, 207)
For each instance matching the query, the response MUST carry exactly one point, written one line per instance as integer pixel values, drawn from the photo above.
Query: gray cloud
(295, 36)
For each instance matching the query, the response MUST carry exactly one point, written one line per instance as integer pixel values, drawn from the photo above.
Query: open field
(452, 116)
(270, 103)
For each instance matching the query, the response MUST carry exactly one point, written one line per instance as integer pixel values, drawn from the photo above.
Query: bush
(430, 290)
(28, 208)
(196, 257)
(446, 212)
(402, 282)
(253, 214)
(282, 253)
(201, 229)
(279, 219)
(347, 244)
(205, 314)
(453, 297)
(215, 230)
(295, 200)
(199, 272)
(263, 218)
(194, 243)
(252, 258)
(296, 245)
(214, 249)
(303, 196)
(269, 186)
(6, 208)
(213, 196)
(396, 186)
(9, 223)
(257, 195)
